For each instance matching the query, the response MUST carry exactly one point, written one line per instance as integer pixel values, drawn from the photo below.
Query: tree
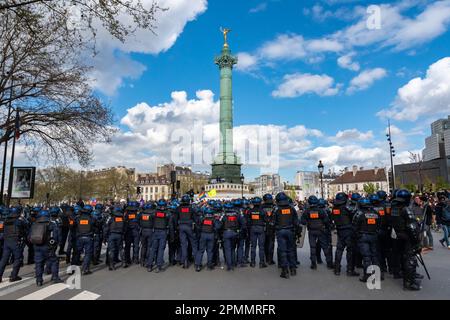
(369, 188)
(441, 184)
(84, 16)
(43, 77)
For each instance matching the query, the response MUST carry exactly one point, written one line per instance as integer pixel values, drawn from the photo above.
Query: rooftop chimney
(355, 169)
(376, 170)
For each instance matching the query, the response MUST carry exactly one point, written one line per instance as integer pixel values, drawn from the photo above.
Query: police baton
(420, 258)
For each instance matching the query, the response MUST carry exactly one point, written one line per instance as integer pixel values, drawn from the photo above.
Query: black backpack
(38, 234)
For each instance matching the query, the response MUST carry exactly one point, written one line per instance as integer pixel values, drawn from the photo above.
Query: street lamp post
(320, 167)
(242, 185)
(392, 154)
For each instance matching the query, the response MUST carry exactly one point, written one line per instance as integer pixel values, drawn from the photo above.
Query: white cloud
(348, 155)
(147, 139)
(365, 79)
(426, 96)
(346, 62)
(284, 46)
(352, 135)
(112, 65)
(298, 84)
(398, 31)
(260, 7)
(246, 61)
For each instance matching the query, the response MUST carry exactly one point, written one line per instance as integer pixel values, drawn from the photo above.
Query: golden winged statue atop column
(225, 32)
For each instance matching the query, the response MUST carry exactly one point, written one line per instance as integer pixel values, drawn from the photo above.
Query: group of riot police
(373, 230)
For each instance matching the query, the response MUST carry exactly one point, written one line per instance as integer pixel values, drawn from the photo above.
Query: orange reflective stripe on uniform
(314, 215)
(255, 216)
(84, 222)
(371, 221)
(285, 211)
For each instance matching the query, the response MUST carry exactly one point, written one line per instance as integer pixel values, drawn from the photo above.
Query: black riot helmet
(268, 198)
(341, 198)
(403, 195)
(282, 199)
(313, 201)
(382, 195)
(186, 199)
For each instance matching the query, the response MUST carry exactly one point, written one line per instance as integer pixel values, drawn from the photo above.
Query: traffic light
(173, 176)
(178, 185)
(138, 190)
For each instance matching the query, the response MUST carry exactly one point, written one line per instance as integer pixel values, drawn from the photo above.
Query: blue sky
(312, 69)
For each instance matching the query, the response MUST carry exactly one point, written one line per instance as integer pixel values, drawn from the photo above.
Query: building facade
(356, 179)
(153, 187)
(309, 183)
(267, 183)
(437, 145)
(189, 180)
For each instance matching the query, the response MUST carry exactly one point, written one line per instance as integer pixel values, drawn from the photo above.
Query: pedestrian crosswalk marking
(86, 295)
(45, 292)
(7, 283)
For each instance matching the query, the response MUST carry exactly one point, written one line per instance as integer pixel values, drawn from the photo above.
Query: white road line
(45, 292)
(86, 295)
(6, 283)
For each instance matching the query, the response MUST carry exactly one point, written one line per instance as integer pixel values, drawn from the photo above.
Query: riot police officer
(84, 225)
(185, 219)
(342, 218)
(232, 224)
(209, 225)
(352, 206)
(383, 208)
(114, 230)
(269, 244)
(131, 233)
(174, 236)
(367, 223)
(324, 206)
(98, 233)
(407, 242)
(243, 240)
(162, 223)
(31, 218)
(257, 222)
(64, 217)
(55, 217)
(318, 222)
(72, 236)
(45, 237)
(286, 222)
(14, 232)
(146, 226)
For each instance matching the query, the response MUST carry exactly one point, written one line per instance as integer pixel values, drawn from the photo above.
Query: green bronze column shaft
(226, 105)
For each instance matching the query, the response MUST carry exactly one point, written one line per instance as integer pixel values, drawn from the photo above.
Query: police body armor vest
(185, 215)
(117, 224)
(256, 217)
(2, 226)
(381, 214)
(341, 217)
(160, 220)
(146, 220)
(397, 221)
(369, 223)
(231, 221)
(208, 223)
(314, 219)
(84, 226)
(284, 217)
(10, 228)
(132, 218)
